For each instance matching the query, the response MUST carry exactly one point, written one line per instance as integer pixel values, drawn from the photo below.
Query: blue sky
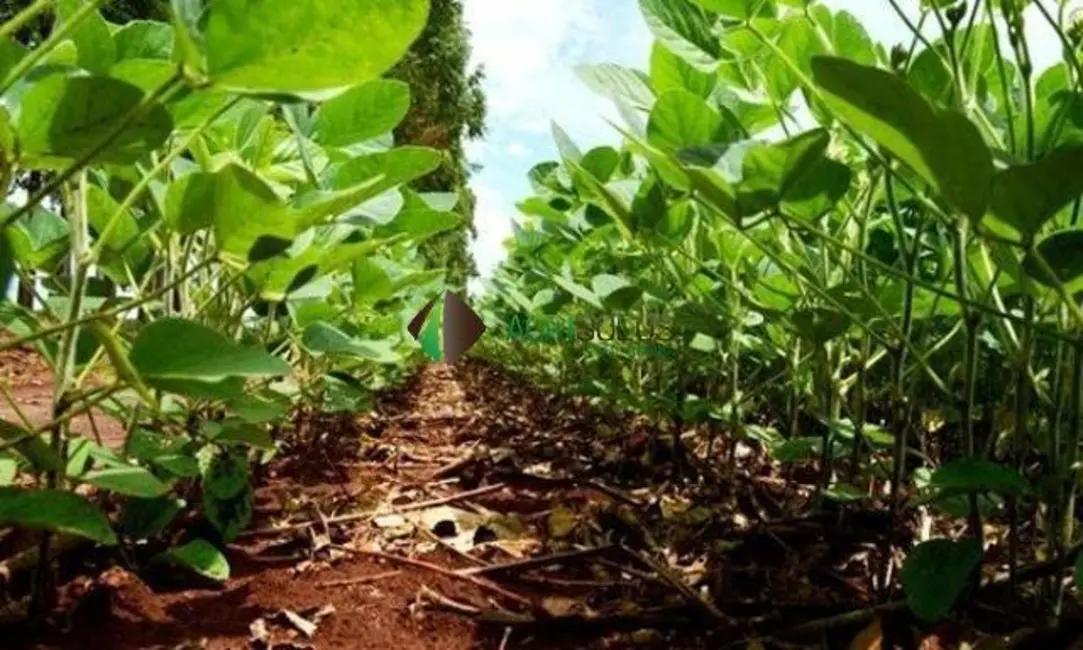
(529, 49)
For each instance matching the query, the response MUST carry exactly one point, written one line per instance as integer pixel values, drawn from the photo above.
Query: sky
(529, 49)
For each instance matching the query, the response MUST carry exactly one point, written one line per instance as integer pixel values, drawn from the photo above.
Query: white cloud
(529, 51)
(517, 149)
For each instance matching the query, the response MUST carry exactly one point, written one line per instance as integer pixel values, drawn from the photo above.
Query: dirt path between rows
(471, 511)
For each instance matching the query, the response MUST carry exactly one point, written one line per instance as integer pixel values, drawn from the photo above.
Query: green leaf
(308, 45)
(35, 449)
(1061, 252)
(670, 72)
(317, 253)
(62, 119)
(321, 337)
(251, 223)
(1078, 573)
(200, 556)
(821, 324)
(577, 290)
(252, 435)
(685, 29)
(1026, 197)
(9, 470)
(362, 113)
(618, 83)
(129, 481)
(943, 147)
(798, 39)
(975, 475)
(818, 190)
(55, 510)
(936, 573)
(92, 39)
(770, 170)
(739, 9)
(144, 39)
(392, 168)
(615, 292)
(681, 119)
(227, 493)
(172, 353)
(147, 518)
(567, 148)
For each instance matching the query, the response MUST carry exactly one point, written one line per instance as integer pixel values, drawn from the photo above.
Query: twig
(453, 605)
(537, 562)
(448, 573)
(680, 585)
(455, 465)
(363, 580)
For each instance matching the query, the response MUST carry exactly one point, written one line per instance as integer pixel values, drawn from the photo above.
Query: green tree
(448, 110)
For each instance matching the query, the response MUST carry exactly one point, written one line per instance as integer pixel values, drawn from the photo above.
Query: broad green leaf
(681, 119)
(769, 171)
(1026, 197)
(798, 39)
(395, 167)
(797, 450)
(92, 39)
(9, 469)
(943, 147)
(975, 475)
(144, 39)
(200, 556)
(817, 191)
(129, 481)
(245, 433)
(62, 119)
(308, 45)
(371, 282)
(314, 208)
(362, 113)
(59, 511)
(190, 201)
(618, 83)
(936, 573)
(615, 291)
(603, 196)
(577, 290)
(1061, 252)
(845, 493)
(35, 449)
(848, 36)
(145, 74)
(601, 163)
(11, 52)
(147, 518)
(316, 254)
(685, 29)
(324, 338)
(567, 148)
(172, 354)
(1077, 574)
(671, 72)
(820, 324)
(225, 473)
(739, 9)
(227, 493)
(251, 223)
